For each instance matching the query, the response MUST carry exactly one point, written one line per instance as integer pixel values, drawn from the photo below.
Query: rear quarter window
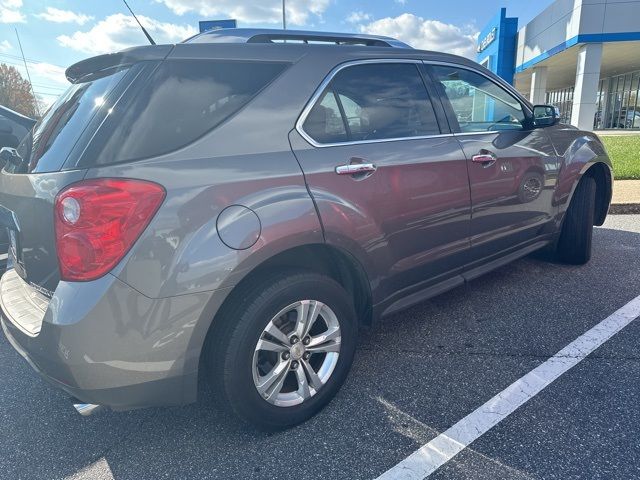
(183, 100)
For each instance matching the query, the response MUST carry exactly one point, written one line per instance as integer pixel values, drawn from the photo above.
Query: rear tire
(574, 245)
(240, 367)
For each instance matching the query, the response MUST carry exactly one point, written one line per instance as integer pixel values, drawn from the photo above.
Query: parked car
(13, 127)
(241, 206)
(628, 118)
(623, 118)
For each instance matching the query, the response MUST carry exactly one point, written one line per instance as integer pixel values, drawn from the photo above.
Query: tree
(15, 92)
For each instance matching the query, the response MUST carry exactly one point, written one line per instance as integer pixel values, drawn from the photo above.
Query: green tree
(15, 92)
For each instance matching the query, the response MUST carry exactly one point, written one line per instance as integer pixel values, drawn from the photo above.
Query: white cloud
(426, 34)
(251, 11)
(358, 17)
(49, 73)
(64, 16)
(401, 2)
(10, 11)
(120, 31)
(5, 46)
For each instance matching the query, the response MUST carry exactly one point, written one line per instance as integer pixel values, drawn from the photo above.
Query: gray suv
(242, 203)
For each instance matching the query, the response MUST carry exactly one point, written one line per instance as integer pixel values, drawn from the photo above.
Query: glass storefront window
(619, 102)
(563, 99)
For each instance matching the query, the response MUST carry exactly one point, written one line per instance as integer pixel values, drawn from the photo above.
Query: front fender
(579, 153)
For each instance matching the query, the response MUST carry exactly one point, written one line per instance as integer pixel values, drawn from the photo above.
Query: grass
(624, 151)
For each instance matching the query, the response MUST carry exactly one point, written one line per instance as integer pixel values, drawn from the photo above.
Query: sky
(58, 33)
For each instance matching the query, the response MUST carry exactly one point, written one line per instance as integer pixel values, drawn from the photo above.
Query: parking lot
(415, 375)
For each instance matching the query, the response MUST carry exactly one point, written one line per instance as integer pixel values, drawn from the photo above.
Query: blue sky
(57, 33)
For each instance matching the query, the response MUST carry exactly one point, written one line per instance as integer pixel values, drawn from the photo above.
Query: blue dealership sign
(216, 24)
(497, 45)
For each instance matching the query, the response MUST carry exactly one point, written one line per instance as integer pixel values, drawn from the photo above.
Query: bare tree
(15, 91)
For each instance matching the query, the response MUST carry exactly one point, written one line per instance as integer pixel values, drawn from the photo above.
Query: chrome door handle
(485, 158)
(354, 168)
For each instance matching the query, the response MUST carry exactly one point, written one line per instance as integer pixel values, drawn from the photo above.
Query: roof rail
(266, 35)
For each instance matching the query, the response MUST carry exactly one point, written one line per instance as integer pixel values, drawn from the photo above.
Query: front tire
(574, 245)
(283, 348)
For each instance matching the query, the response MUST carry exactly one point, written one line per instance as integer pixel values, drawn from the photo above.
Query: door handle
(485, 158)
(355, 168)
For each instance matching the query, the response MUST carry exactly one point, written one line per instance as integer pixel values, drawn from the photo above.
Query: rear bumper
(146, 393)
(105, 343)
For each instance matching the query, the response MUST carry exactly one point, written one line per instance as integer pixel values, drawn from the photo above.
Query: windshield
(48, 145)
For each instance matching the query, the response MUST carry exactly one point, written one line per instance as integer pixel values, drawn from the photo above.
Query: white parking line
(431, 456)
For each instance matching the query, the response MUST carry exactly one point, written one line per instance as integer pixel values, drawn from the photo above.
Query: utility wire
(28, 76)
(29, 60)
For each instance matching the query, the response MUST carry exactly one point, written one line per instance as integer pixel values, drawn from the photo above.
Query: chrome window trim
(318, 92)
(482, 132)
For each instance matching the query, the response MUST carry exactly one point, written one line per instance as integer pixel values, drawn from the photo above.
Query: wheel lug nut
(306, 355)
(294, 365)
(286, 355)
(306, 340)
(294, 340)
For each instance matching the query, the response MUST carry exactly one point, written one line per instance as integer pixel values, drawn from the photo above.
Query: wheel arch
(318, 257)
(326, 259)
(601, 173)
(584, 155)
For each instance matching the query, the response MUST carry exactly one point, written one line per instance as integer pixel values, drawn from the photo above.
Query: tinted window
(183, 100)
(53, 137)
(478, 103)
(8, 136)
(324, 123)
(379, 101)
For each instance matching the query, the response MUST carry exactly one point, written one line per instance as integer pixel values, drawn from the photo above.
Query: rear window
(46, 148)
(183, 100)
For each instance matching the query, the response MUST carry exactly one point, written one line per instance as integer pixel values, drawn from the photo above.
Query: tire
(574, 245)
(237, 368)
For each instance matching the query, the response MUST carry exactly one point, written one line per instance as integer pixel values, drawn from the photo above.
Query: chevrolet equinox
(243, 202)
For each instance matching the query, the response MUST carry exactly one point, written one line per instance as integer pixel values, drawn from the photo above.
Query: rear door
(512, 167)
(390, 186)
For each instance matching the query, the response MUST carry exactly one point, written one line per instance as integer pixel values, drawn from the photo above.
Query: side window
(184, 100)
(376, 101)
(479, 104)
(324, 123)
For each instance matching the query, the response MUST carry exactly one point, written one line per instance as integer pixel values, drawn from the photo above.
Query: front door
(389, 187)
(512, 166)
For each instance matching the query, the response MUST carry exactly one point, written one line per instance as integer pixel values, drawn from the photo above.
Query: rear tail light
(97, 221)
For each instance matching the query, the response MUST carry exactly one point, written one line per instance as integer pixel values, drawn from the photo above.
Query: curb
(624, 208)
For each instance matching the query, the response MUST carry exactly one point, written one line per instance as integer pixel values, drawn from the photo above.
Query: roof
(266, 35)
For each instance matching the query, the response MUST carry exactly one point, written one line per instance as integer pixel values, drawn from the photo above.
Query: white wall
(564, 19)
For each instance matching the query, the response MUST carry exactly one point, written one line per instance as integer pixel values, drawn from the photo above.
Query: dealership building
(581, 55)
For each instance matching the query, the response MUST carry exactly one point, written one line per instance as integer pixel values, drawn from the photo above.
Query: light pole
(284, 15)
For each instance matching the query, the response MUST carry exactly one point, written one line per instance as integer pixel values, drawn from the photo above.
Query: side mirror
(545, 115)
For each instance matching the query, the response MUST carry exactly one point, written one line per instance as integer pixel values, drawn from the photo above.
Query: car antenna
(144, 30)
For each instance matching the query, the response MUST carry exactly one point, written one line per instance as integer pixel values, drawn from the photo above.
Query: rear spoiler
(124, 58)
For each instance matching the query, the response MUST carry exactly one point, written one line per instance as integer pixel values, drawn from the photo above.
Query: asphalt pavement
(416, 374)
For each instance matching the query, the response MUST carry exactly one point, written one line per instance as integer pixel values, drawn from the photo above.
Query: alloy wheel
(296, 353)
